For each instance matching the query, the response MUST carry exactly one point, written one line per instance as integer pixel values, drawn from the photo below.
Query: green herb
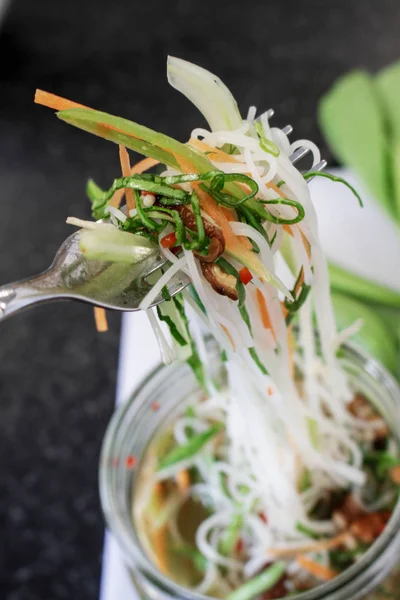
(191, 448)
(336, 179)
(260, 583)
(381, 461)
(224, 356)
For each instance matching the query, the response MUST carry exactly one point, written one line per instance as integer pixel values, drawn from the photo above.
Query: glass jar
(136, 422)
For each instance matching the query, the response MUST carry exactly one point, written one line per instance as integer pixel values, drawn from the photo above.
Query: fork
(115, 286)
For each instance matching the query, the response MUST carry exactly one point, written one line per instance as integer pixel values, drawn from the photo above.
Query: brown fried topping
(223, 283)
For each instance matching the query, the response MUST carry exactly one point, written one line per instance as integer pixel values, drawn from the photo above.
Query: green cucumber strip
(191, 448)
(260, 583)
(114, 245)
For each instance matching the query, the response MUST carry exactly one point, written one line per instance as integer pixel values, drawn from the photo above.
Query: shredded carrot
(319, 571)
(227, 333)
(306, 244)
(288, 229)
(214, 154)
(144, 165)
(263, 308)
(318, 546)
(55, 102)
(284, 310)
(126, 171)
(270, 391)
(100, 318)
(160, 548)
(183, 481)
(231, 215)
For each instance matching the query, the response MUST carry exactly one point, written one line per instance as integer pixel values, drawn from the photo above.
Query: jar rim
(131, 546)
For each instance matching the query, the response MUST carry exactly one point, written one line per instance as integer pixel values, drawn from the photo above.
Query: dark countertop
(57, 376)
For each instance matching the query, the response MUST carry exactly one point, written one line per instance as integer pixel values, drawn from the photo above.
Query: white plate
(363, 240)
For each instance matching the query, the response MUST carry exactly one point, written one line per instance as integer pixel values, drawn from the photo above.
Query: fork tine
(299, 154)
(157, 264)
(287, 130)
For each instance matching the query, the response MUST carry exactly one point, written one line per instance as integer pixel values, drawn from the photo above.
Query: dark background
(57, 375)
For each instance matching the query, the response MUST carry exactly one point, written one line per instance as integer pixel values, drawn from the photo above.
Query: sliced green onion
(147, 222)
(260, 583)
(231, 536)
(335, 178)
(266, 144)
(195, 556)
(191, 448)
(307, 531)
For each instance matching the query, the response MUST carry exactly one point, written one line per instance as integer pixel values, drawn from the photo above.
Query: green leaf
(352, 121)
(349, 283)
(374, 336)
(388, 87)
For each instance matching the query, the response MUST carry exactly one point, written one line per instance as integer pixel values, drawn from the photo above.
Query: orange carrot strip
(288, 230)
(231, 215)
(144, 165)
(306, 244)
(319, 571)
(55, 102)
(183, 481)
(318, 546)
(263, 308)
(215, 154)
(100, 318)
(160, 548)
(126, 171)
(227, 333)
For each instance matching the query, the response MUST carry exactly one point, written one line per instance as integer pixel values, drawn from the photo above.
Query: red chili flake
(270, 391)
(263, 517)
(155, 406)
(239, 546)
(130, 462)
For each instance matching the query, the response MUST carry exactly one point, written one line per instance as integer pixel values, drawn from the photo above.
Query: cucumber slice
(110, 244)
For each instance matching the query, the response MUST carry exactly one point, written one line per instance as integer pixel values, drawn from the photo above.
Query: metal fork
(116, 286)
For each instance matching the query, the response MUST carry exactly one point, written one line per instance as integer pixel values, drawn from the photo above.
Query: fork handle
(21, 294)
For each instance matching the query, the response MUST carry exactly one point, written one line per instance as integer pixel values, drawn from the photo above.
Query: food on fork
(285, 474)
